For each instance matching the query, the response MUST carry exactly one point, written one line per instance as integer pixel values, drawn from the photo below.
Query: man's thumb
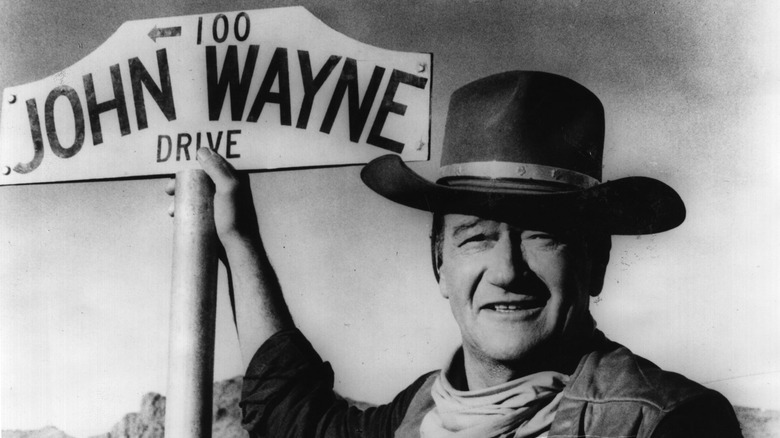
(217, 168)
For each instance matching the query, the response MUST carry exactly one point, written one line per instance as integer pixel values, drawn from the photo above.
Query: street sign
(267, 89)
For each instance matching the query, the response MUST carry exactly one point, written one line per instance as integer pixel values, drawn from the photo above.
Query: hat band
(507, 169)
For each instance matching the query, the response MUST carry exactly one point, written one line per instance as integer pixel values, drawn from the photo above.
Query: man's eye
(541, 239)
(479, 239)
(474, 239)
(537, 236)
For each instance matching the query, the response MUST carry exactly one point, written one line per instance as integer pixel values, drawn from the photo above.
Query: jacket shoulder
(613, 373)
(614, 392)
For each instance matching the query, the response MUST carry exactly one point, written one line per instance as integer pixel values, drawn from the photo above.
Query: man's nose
(508, 264)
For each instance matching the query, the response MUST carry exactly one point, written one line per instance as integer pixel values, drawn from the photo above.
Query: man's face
(512, 291)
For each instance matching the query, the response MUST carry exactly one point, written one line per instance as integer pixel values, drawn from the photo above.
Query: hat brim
(626, 206)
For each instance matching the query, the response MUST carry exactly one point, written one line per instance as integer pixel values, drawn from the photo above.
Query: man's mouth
(523, 299)
(516, 306)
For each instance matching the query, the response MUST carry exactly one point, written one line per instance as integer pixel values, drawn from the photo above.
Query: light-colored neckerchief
(521, 408)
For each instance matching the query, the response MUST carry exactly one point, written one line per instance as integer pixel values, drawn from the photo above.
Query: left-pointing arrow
(164, 32)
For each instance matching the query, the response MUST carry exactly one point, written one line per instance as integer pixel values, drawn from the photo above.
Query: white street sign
(267, 89)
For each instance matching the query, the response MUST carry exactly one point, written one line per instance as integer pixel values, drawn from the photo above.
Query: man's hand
(234, 212)
(260, 309)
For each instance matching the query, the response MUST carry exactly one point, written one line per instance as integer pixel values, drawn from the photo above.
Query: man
(520, 242)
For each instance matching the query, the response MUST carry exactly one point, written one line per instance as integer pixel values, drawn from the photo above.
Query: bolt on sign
(266, 89)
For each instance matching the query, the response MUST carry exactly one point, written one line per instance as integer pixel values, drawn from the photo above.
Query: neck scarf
(521, 408)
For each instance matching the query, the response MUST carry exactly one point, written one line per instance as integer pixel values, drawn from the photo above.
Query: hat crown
(526, 148)
(528, 118)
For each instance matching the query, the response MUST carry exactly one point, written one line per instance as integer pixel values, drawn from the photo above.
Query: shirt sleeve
(706, 416)
(288, 392)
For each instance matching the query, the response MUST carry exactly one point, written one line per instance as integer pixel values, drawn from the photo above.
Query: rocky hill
(758, 423)
(46, 432)
(149, 422)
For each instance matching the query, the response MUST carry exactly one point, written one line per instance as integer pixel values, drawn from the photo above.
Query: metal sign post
(193, 309)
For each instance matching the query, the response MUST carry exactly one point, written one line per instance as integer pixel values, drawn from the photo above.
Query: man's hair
(437, 237)
(598, 246)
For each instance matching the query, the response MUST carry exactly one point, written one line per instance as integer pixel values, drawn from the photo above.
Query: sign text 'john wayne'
(267, 89)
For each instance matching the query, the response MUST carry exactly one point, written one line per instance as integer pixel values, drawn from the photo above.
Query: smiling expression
(513, 292)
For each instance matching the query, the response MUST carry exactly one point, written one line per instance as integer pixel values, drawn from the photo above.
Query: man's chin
(512, 351)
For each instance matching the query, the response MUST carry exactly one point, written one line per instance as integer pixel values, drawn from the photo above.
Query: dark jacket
(616, 393)
(613, 393)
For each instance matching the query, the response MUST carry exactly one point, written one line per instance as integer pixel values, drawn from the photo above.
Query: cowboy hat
(526, 147)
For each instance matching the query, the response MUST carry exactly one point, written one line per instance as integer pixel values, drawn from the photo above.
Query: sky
(692, 97)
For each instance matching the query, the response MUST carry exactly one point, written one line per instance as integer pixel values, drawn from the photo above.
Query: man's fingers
(170, 188)
(217, 168)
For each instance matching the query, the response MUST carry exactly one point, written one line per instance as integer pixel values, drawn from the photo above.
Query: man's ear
(444, 289)
(599, 253)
